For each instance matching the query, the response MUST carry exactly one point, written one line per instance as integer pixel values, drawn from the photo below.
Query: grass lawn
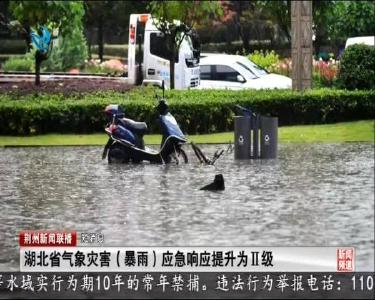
(359, 131)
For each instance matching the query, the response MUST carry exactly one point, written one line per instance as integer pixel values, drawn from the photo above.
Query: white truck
(148, 61)
(366, 40)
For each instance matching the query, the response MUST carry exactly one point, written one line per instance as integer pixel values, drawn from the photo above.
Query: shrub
(12, 46)
(70, 52)
(196, 111)
(357, 67)
(24, 63)
(264, 59)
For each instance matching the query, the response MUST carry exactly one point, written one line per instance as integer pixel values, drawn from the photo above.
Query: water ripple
(315, 195)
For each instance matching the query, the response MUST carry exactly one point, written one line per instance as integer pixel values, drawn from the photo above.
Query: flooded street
(312, 195)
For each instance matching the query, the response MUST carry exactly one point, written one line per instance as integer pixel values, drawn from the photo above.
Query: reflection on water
(313, 195)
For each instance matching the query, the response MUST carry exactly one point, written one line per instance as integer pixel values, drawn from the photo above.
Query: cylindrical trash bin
(268, 140)
(242, 137)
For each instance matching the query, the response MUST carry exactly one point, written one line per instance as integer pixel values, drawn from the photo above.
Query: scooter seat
(131, 124)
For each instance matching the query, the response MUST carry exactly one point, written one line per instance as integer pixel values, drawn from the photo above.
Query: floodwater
(312, 195)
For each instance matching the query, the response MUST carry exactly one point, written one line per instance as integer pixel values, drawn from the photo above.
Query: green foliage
(352, 18)
(279, 12)
(248, 20)
(316, 81)
(62, 15)
(110, 16)
(177, 18)
(333, 21)
(357, 67)
(113, 14)
(196, 111)
(24, 63)
(264, 59)
(71, 51)
(66, 18)
(323, 15)
(188, 12)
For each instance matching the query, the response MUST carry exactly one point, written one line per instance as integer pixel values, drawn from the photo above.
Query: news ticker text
(172, 284)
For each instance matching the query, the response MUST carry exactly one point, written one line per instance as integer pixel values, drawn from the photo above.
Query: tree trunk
(100, 40)
(245, 37)
(38, 62)
(317, 44)
(284, 28)
(89, 43)
(89, 49)
(28, 38)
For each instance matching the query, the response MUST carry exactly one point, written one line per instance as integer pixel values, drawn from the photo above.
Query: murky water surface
(312, 195)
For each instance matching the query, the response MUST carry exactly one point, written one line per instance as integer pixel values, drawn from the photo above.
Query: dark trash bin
(268, 139)
(255, 136)
(242, 143)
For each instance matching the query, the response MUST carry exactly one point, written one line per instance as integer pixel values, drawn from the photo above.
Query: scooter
(125, 143)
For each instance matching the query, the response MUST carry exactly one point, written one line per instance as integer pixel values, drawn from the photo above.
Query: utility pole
(301, 17)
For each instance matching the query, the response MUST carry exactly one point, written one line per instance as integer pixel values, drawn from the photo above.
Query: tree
(352, 18)
(110, 15)
(42, 41)
(176, 19)
(251, 19)
(331, 19)
(241, 13)
(55, 15)
(97, 13)
(279, 13)
(323, 11)
(69, 52)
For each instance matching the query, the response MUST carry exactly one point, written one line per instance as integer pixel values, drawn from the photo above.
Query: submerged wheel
(182, 154)
(136, 161)
(117, 154)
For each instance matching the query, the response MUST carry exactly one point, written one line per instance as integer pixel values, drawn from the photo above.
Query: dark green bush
(13, 46)
(357, 67)
(70, 52)
(196, 111)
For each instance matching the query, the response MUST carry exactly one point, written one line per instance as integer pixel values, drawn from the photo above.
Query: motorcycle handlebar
(245, 111)
(162, 105)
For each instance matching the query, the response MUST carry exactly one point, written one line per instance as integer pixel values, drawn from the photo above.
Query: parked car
(235, 72)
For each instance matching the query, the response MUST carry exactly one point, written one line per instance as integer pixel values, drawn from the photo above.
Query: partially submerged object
(216, 185)
(125, 143)
(255, 136)
(203, 158)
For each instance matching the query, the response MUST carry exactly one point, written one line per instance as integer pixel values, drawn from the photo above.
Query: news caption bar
(43, 251)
